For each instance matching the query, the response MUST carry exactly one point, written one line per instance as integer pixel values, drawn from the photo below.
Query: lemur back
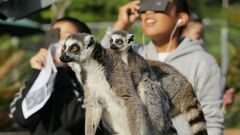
(183, 98)
(179, 90)
(102, 74)
(158, 106)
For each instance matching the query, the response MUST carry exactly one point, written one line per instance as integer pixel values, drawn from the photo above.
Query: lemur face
(121, 40)
(77, 46)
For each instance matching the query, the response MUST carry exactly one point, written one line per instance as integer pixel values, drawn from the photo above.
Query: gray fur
(116, 73)
(178, 89)
(158, 106)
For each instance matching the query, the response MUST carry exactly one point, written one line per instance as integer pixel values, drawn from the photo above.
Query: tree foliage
(95, 10)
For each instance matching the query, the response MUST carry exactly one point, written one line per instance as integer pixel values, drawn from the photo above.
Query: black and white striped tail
(196, 120)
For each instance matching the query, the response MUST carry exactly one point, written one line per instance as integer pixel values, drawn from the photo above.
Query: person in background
(163, 22)
(194, 29)
(228, 98)
(63, 113)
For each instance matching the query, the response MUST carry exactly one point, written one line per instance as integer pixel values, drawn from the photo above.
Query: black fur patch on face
(111, 41)
(119, 41)
(74, 48)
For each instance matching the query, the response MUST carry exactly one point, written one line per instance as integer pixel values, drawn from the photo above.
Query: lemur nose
(64, 58)
(113, 46)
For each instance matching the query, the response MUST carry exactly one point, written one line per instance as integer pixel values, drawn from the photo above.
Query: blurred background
(22, 33)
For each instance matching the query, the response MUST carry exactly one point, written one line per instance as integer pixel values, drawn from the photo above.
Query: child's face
(66, 29)
(159, 24)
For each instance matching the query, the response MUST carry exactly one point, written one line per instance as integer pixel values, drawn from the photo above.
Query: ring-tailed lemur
(108, 88)
(150, 92)
(180, 91)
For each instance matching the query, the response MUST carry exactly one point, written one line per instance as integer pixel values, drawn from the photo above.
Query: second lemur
(177, 87)
(155, 99)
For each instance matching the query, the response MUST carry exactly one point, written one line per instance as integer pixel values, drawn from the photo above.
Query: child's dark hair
(197, 20)
(182, 6)
(81, 26)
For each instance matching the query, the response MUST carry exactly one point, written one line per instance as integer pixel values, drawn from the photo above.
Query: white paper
(41, 89)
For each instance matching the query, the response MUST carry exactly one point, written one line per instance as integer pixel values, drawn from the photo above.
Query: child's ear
(130, 38)
(184, 19)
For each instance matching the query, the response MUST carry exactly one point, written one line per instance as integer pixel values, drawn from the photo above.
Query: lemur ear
(89, 40)
(130, 38)
(109, 34)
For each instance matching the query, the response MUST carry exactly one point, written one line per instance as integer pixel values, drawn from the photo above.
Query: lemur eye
(63, 48)
(119, 41)
(111, 40)
(74, 48)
